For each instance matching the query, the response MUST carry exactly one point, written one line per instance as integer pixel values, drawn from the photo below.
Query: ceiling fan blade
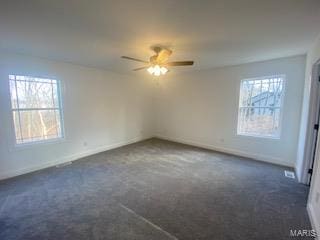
(180, 63)
(140, 68)
(163, 55)
(134, 59)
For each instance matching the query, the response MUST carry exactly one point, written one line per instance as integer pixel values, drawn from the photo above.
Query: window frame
(281, 108)
(60, 108)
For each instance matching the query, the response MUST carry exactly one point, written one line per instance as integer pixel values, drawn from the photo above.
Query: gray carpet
(154, 189)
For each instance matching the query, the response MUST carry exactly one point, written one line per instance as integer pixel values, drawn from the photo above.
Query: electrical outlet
(85, 144)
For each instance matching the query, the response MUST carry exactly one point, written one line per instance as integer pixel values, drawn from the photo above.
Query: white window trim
(278, 137)
(60, 139)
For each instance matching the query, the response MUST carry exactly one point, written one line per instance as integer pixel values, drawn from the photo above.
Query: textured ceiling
(213, 33)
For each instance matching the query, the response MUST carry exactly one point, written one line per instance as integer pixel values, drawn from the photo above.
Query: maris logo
(303, 233)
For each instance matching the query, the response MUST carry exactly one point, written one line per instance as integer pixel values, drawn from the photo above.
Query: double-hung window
(261, 106)
(36, 109)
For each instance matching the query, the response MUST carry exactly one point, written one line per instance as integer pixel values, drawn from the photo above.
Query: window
(260, 106)
(36, 109)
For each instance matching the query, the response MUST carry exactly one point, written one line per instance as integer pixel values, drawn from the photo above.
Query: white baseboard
(77, 156)
(254, 156)
(315, 223)
(70, 158)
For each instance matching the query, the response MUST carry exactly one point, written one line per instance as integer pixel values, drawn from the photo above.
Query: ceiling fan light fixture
(158, 63)
(163, 70)
(157, 70)
(150, 70)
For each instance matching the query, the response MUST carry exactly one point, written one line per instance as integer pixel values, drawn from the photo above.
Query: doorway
(313, 125)
(315, 141)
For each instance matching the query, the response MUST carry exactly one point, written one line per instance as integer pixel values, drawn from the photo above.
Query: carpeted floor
(157, 190)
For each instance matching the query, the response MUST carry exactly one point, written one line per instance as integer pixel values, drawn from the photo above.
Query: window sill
(258, 136)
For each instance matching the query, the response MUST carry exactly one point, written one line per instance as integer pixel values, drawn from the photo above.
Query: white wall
(201, 108)
(101, 108)
(314, 195)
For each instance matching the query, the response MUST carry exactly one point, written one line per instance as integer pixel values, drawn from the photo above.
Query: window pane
(260, 106)
(277, 92)
(13, 92)
(256, 94)
(55, 95)
(16, 123)
(259, 121)
(36, 108)
(246, 88)
(39, 125)
(44, 95)
(35, 94)
(21, 91)
(58, 123)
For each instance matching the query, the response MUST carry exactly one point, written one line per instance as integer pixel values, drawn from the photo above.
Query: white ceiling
(212, 33)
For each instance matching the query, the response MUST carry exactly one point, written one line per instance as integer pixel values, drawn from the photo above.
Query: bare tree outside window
(36, 108)
(260, 106)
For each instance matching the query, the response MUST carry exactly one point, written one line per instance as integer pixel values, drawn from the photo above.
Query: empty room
(159, 120)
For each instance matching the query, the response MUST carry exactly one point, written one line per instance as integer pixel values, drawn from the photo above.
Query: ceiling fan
(158, 64)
